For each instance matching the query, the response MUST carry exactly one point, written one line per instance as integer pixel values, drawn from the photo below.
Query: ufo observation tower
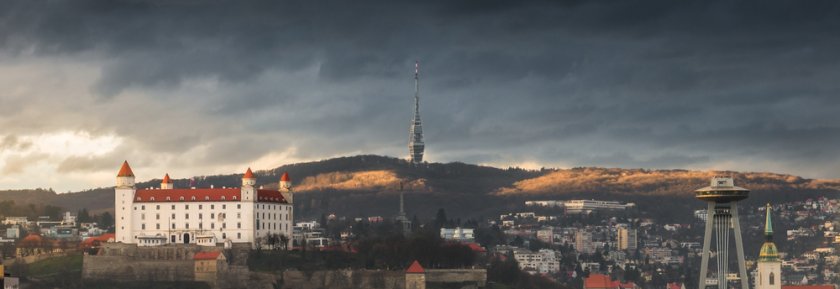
(722, 197)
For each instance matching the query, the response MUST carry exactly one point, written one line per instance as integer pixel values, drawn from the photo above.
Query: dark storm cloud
(619, 83)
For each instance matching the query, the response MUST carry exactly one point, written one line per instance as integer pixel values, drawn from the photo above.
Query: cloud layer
(202, 87)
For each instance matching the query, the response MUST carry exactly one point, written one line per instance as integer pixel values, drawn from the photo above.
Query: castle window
(239, 215)
(143, 207)
(224, 236)
(157, 207)
(224, 207)
(239, 225)
(188, 226)
(168, 199)
(238, 206)
(223, 198)
(173, 225)
(212, 216)
(224, 225)
(186, 207)
(772, 278)
(142, 226)
(199, 207)
(138, 198)
(234, 198)
(201, 225)
(193, 198)
(142, 216)
(206, 198)
(200, 216)
(157, 216)
(187, 216)
(152, 198)
(212, 207)
(212, 225)
(181, 198)
(238, 235)
(173, 215)
(157, 226)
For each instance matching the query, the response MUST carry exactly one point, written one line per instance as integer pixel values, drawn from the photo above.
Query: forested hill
(367, 185)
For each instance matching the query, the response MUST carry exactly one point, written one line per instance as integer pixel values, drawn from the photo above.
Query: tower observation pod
(722, 197)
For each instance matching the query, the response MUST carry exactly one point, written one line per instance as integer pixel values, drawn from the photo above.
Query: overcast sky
(193, 88)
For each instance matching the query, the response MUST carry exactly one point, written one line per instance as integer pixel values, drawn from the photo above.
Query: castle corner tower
(769, 271)
(415, 137)
(123, 202)
(285, 187)
(248, 183)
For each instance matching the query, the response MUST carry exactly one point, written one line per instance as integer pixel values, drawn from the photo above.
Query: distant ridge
(367, 185)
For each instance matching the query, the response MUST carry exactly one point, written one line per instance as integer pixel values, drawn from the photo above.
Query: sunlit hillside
(653, 182)
(365, 180)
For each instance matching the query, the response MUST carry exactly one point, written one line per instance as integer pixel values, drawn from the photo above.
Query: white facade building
(457, 234)
(543, 262)
(21, 221)
(205, 216)
(585, 206)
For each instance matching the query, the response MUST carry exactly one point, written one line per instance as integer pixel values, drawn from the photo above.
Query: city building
(13, 232)
(627, 238)
(457, 234)
(20, 221)
(203, 216)
(583, 242)
(543, 262)
(588, 206)
(546, 235)
(415, 135)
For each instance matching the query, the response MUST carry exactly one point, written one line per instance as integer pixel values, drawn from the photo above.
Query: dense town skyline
(194, 89)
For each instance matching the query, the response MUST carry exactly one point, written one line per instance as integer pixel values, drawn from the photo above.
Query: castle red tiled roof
(248, 174)
(125, 170)
(188, 195)
(270, 196)
(204, 195)
(207, 255)
(166, 179)
(285, 177)
(415, 268)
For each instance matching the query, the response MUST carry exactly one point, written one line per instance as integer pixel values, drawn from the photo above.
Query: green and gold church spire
(768, 253)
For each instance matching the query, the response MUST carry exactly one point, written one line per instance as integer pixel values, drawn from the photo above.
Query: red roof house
(415, 268)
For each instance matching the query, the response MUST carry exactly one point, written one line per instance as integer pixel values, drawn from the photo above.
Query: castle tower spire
(415, 138)
(166, 183)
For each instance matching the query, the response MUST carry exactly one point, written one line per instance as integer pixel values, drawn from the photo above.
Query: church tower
(123, 203)
(415, 136)
(769, 271)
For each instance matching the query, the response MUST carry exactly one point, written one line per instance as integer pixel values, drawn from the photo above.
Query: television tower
(722, 197)
(415, 135)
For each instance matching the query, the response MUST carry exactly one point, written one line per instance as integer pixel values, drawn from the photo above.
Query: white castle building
(203, 216)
